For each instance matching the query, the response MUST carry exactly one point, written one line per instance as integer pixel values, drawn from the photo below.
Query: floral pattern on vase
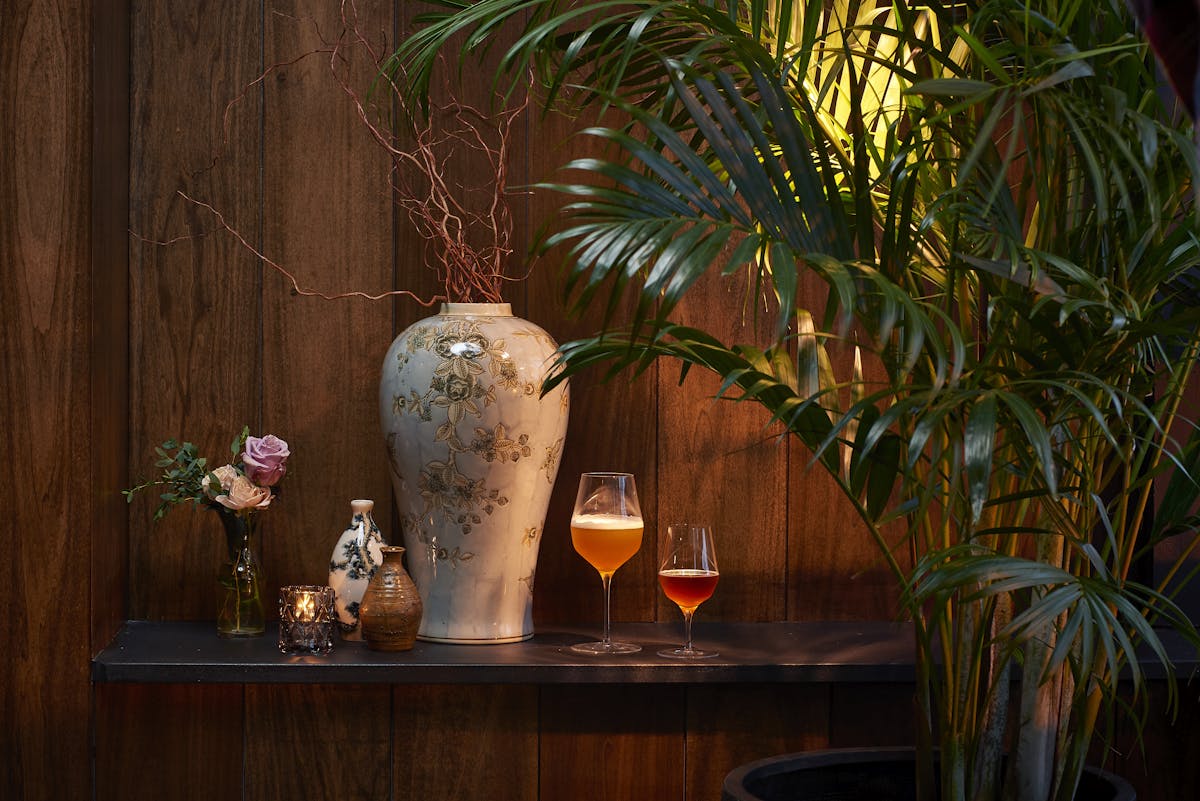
(474, 450)
(355, 558)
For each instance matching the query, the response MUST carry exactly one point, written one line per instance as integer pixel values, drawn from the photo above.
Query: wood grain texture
(174, 741)
(1169, 552)
(306, 741)
(327, 217)
(1160, 760)
(214, 343)
(834, 568)
(870, 715)
(834, 571)
(730, 726)
(608, 743)
(720, 464)
(46, 298)
(613, 426)
(195, 315)
(110, 370)
(462, 742)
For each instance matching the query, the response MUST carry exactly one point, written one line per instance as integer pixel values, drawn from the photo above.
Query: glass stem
(687, 626)
(606, 579)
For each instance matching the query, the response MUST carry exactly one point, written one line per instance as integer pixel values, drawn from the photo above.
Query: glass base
(687, 653)
(601, 648)
(239, 634)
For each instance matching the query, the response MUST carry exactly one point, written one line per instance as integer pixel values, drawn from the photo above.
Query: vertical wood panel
(1160, 760)
(1168, 552)
(177, 741)
(834, 568)
(720, 464)
(110, 318)
(214, 344)
(311, 741)
(868, 715)
(834, 571)
(46, 298)
(327, 218)
(195, 318)
(729, 726)
(607, 743)
(461, 743)
(414, 266)
(613, 426)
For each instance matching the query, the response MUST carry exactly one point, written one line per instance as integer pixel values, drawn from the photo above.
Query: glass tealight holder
(306, 620)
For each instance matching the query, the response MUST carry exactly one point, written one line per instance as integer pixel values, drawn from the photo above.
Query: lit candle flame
(306, 607)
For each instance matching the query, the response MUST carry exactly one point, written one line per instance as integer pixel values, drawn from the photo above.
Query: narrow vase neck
(478, 309)
(239, 530)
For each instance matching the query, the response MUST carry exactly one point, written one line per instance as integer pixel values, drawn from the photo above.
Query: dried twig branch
(472, 241)
(279, 268)
(466, 229)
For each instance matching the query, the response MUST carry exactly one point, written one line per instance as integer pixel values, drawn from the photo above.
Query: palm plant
(1001, 208)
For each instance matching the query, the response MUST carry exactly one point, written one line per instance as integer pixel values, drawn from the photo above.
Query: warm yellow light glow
(306, 607)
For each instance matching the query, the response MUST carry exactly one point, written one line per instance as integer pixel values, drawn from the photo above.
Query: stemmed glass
(688, 575)
(606, 529)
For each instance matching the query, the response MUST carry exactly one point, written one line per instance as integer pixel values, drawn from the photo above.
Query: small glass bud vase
(240, 613)
(305, 619)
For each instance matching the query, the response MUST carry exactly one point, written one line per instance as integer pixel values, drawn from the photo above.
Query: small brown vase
(390, 612)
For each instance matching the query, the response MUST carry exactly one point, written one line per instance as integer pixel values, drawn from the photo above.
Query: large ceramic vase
(474, 449)
(877, 774)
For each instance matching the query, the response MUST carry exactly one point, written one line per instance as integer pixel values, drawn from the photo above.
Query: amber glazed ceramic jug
(390, 612)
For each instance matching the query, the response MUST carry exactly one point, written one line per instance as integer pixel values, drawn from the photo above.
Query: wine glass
(688, 575)
(606, 529)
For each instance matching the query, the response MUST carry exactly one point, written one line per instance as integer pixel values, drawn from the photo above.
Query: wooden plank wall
(113, 343)
(218, 341)
(63, 374)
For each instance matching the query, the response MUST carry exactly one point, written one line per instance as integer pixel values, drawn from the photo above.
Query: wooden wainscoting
(130, 315)
(505, 742)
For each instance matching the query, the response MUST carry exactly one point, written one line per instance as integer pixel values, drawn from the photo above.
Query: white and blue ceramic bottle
(355, 558)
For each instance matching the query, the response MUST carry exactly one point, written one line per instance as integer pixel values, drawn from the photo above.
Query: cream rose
(225, 477)
(245, 494)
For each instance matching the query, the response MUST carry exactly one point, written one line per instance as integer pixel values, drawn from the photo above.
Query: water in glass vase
(241, 611)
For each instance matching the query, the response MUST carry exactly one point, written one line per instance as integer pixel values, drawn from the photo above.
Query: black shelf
(185, 652)
(148, 652)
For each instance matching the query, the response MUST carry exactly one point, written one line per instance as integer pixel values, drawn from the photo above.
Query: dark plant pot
(878, 774)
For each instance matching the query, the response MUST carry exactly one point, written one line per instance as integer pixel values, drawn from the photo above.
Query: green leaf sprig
(184, 472)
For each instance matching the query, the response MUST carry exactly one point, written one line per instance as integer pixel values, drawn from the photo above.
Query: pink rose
(245, 494)
(225, 477)
(265, 459)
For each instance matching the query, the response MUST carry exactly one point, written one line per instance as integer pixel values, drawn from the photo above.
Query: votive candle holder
(306, 620)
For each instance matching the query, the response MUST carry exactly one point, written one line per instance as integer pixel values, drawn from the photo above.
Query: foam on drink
(606, 541)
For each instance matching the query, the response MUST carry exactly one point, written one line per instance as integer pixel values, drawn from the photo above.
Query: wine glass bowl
(606, 530)
(606, 541)
(688, 575)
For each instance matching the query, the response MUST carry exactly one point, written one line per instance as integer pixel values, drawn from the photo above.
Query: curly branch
(466, 230)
